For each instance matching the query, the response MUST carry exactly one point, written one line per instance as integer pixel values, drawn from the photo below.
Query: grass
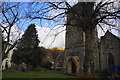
(32, 74)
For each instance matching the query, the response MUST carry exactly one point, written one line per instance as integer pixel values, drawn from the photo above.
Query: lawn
(32, 74)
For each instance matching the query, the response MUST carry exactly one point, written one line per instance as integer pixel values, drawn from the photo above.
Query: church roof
(108, 32)
(60, 56)
(114, 35)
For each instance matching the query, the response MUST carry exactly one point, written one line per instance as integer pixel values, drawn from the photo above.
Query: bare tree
(89, 16)
(10, 17)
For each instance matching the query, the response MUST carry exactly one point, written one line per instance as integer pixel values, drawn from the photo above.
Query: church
(107, 52)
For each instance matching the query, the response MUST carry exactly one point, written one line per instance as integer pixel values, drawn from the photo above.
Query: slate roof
(60, 56)
(113, 34)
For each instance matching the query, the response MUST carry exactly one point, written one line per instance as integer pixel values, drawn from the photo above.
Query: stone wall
(75, 40)
(110, 44)
(68, 64)
(75, 45)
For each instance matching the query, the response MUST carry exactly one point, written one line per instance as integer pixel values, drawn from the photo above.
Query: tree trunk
(90, 50)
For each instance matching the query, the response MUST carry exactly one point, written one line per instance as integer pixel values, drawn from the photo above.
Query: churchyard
(88, 45)
(35, 74)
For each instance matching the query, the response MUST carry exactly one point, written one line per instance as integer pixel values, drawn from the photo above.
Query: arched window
(110, 61)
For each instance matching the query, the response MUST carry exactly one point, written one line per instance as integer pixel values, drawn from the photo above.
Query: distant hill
(57, 48)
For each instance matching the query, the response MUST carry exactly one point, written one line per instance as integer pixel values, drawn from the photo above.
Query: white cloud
(15, 33)
(45, 34)
(115, 31)
(101, 32)
(51, 37)
(54, 37)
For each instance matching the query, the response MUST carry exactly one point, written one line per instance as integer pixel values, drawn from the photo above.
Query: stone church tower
(75, 44)
(106, 54)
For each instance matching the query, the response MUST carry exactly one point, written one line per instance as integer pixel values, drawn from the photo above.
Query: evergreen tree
(30, 39)
(27, 48)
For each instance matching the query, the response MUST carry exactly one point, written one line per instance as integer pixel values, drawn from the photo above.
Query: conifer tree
(30, 39)
(27, 48)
